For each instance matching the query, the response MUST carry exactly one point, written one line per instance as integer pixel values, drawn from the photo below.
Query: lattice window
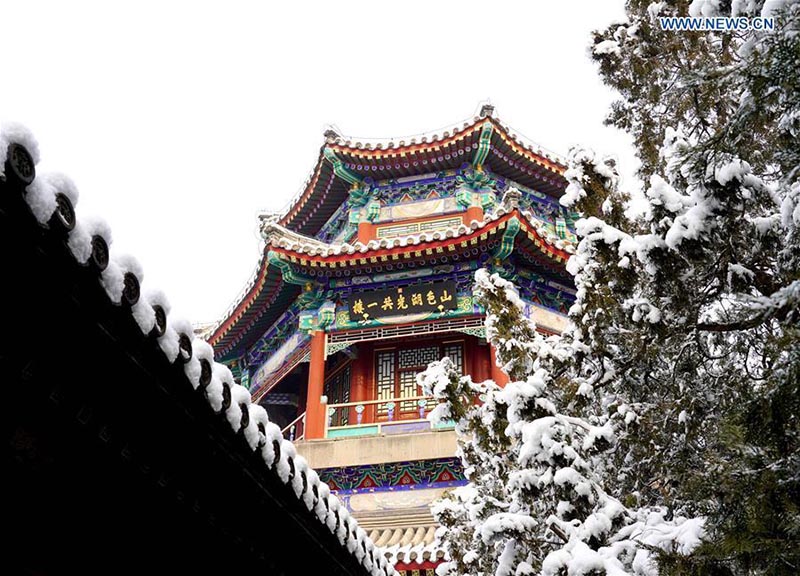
(411, 361)
(337, 389)
(418, 357)
(408, 389)
(396, 375)
(456, 353)
(385, 377)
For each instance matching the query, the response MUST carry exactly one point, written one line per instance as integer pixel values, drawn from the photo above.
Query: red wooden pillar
(486, 361)
(500, 377)
(367, 352)
(315, 409)
(480, 362)
(470, 357)
(358, 384)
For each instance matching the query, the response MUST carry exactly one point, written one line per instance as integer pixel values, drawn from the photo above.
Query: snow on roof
(51, 199)
(333, 136)
(336, 141)
(283, 240)
(413, 545)
(278, 236)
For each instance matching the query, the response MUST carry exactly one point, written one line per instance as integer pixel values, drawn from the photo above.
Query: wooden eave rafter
(266, 290)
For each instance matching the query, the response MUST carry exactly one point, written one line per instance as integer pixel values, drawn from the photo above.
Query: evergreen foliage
(660, 434)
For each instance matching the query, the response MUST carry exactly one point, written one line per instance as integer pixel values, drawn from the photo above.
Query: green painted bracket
(475, 179)
(289, 275)
(488, 200)
(311, 297)
(506, 246)
(464, 197)
(373, 210)
(483, 145)
(326, 315)
(318, 319)
(338, 167)
(354, 216)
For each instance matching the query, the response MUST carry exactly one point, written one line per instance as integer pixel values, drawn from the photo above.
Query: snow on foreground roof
(51, 199)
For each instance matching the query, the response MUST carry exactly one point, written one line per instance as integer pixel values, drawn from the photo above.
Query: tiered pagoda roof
(506, 154)
(264, 299)
(269, 294)
(342, 163)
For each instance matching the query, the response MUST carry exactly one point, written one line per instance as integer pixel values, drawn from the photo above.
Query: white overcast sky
(180, 121)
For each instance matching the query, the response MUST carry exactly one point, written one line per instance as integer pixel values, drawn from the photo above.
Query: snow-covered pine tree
(686, 338)
(699, 295)
(535, 503)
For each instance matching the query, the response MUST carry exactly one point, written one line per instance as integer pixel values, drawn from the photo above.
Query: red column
(315, 410)
(480, 362)
(486, 361)
(367, 353)
(358, 383)
(500, 377)
(470, 359)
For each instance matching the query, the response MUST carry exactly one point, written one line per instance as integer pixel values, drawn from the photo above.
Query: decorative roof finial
(511, 199)
(266, 222)
(487, 110)
(331, 135)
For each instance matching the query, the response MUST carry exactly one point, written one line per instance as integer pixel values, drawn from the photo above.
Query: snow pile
(584, 163)
(705, 8)
(41, 194)
(113, 277)
(607, 47)
(13, 133)
(80, 239)
(144, 312)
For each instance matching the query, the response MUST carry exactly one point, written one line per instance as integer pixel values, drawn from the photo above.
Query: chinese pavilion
(366, 278)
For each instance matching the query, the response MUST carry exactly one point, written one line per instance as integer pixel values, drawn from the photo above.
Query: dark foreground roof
(115, 463)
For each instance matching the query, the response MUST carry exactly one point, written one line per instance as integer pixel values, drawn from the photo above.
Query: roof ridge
(352, 142)
(51, 204)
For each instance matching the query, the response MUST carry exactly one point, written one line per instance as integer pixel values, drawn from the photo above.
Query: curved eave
(402, 161)
(543, 246)
(266, 300)
(441, 246)
(508, 157)
(323, 194)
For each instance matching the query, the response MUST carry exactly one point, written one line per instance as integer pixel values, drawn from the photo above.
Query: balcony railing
(384, 416)
(296, 429)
